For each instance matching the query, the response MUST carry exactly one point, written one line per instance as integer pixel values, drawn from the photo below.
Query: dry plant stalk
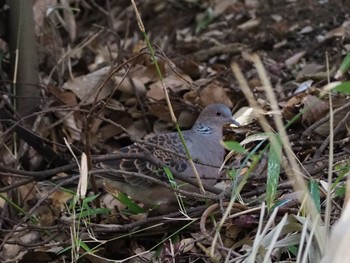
(172, 114)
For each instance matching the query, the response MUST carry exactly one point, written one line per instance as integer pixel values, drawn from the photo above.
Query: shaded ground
(195, 43)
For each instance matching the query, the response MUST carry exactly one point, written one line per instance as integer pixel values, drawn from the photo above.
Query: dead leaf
(59, 200)
(72, 127)
(303, 87)
(232, 231)
(250, 24)
(323, 129)
(307, 70)
(244, 116)
(155, 93)
(173, 82)
(86, 87)
(188, 66)
(294, 59)
(314, 109)
(137, 129)
(293, 107)
(66, 97)
(161, 111)
(341, 32)
(187, 244)
(214, 93)
(125, 85)
(116, 105)
(13, 252)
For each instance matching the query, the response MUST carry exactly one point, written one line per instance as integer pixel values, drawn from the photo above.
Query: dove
(203, 143)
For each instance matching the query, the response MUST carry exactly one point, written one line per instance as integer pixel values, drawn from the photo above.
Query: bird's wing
(171, 151)
(167, 148)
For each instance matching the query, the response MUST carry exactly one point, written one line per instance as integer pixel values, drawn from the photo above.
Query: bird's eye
(218, 113)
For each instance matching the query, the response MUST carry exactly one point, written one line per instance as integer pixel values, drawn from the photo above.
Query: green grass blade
(315, 194)
(344, 87)
(345, 65)
(273, 170)
(133, 208)
(234, 146)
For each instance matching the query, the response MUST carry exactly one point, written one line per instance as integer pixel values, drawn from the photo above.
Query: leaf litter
(101, 91)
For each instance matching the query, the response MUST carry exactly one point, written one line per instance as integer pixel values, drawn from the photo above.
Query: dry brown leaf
(307, 70)
(86, 87)
(323, 129)
(14, 253)
(191, 96)
(232, 231)
(173, 82)
(294, 59)
(293, 107)
(341, 32)
(155, 93)
(188, 66)
(214, 93)
(186, 244)
(161, 111)
(66, 97)
(137, 129)
(124, 85)
(144, 74)
(306, 30)
(72, 126)
(113, 104)
(314, 109)
(221, 6)
(109, 130)
(59, 200)
(244, 116)
(250, 24)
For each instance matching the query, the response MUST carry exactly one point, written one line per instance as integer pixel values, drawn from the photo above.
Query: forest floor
(100, 90)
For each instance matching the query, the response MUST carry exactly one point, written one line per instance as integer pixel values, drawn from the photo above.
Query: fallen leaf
(315, 109)
(214, 93)
(86, 87)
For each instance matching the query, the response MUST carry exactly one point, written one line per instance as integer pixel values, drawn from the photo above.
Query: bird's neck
(204, 129)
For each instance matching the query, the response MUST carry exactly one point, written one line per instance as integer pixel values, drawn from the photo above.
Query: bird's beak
(234, 122)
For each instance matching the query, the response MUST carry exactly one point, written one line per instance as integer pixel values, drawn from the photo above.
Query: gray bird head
(217, 114)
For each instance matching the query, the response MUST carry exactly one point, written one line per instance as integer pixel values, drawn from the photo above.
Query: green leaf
(92, 212)
(273, 170)
(340, 191)
(315, 194)
(344, 66)
(170, 177)
(130, 204)
(344, 87)
(205, 20)
(87, 200)
(174, 185)
(232, 173)
(293, 250)
(234, 146)
(84, 246)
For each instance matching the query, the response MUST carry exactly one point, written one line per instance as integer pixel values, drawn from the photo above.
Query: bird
(203, 143)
